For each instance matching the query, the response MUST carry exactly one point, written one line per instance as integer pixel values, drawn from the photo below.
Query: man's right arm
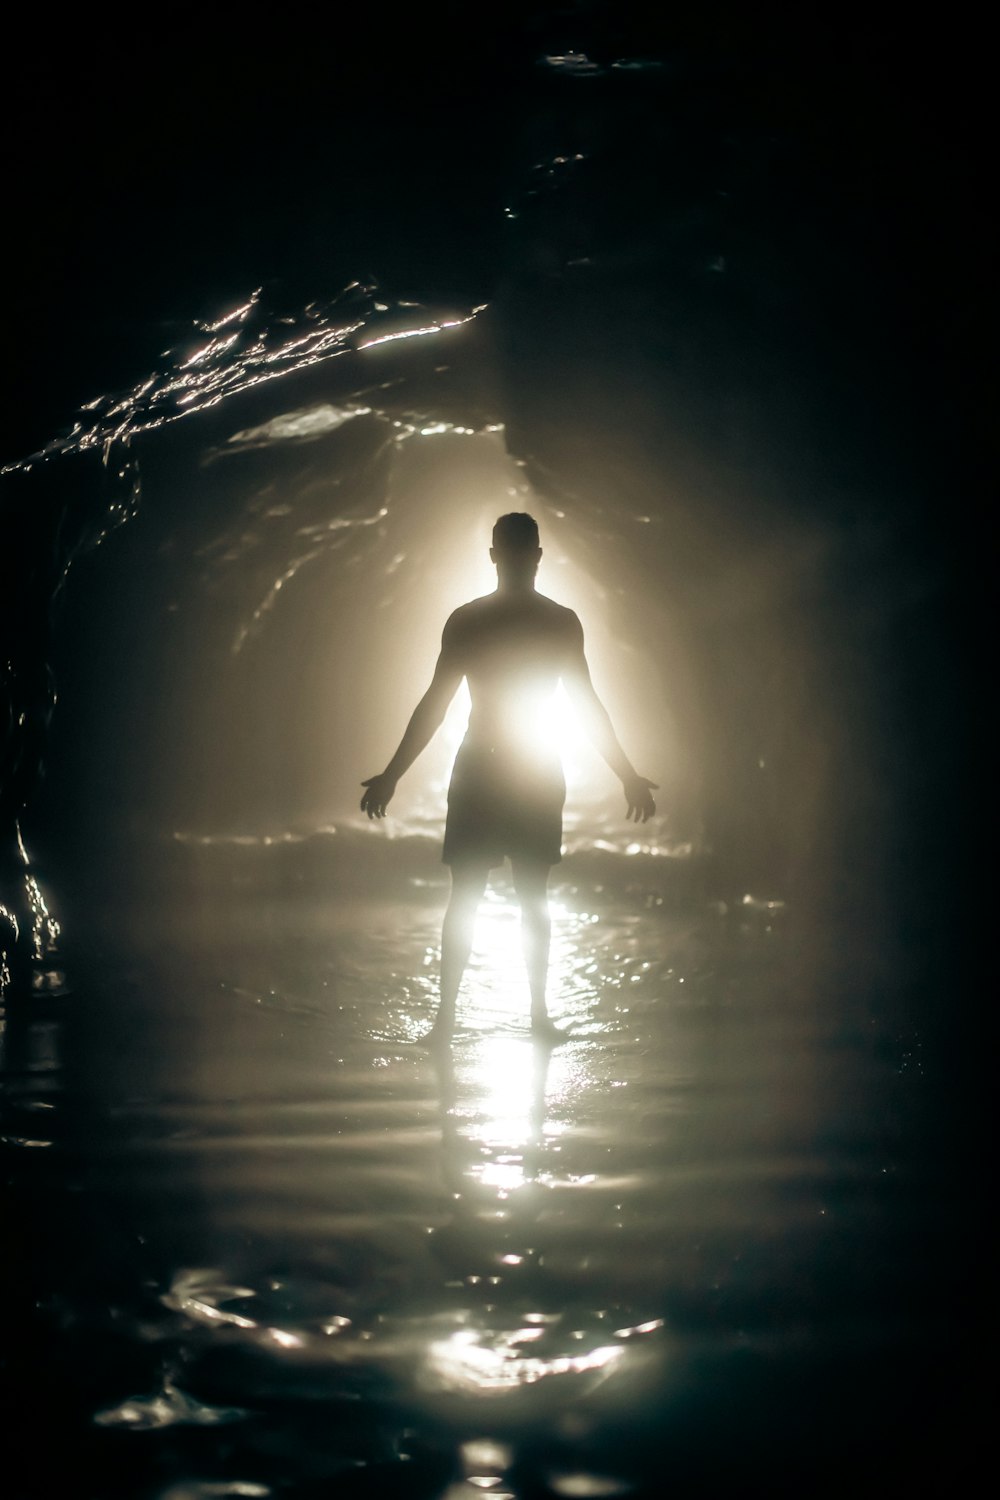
(424, 721)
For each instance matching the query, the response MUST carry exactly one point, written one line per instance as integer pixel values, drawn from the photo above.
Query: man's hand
(639, 796)
(378, 796)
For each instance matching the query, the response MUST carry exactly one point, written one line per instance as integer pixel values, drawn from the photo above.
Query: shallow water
(272, 1247)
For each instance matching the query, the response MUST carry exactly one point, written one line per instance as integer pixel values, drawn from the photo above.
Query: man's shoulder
(563, 619)
(467, 614)
(463, 621)
(560, 611)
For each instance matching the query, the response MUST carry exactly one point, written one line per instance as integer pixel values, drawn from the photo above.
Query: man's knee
(468, 886)
(534, 907)
(531, 887)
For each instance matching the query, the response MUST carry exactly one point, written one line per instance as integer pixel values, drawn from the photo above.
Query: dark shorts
(502, 804)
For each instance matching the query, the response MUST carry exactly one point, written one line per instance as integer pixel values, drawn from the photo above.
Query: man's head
(515, 547)
(515, 532)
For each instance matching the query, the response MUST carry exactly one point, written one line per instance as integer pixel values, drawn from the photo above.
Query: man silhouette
(507, 789)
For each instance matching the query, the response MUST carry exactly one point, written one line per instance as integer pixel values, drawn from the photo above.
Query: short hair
(516, 532)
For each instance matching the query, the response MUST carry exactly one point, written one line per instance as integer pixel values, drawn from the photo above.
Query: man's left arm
(597, 725)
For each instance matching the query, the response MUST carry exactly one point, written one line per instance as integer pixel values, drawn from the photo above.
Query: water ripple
(167, 1407)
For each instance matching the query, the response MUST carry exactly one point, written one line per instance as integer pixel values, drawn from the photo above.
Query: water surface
(272, 1247)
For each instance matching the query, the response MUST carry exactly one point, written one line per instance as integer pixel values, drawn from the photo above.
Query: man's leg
(468, 882)
(530, 882)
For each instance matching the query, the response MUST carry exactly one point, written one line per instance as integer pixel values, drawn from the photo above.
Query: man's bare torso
(512, 650)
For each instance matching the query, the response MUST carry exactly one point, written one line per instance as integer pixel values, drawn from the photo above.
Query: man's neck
(508, 585)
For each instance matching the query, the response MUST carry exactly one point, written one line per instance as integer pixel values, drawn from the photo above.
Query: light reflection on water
(286, 1201)
(495, 992)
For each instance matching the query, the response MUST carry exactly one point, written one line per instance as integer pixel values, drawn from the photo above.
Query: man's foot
(545, 1030)
(434, 1040)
